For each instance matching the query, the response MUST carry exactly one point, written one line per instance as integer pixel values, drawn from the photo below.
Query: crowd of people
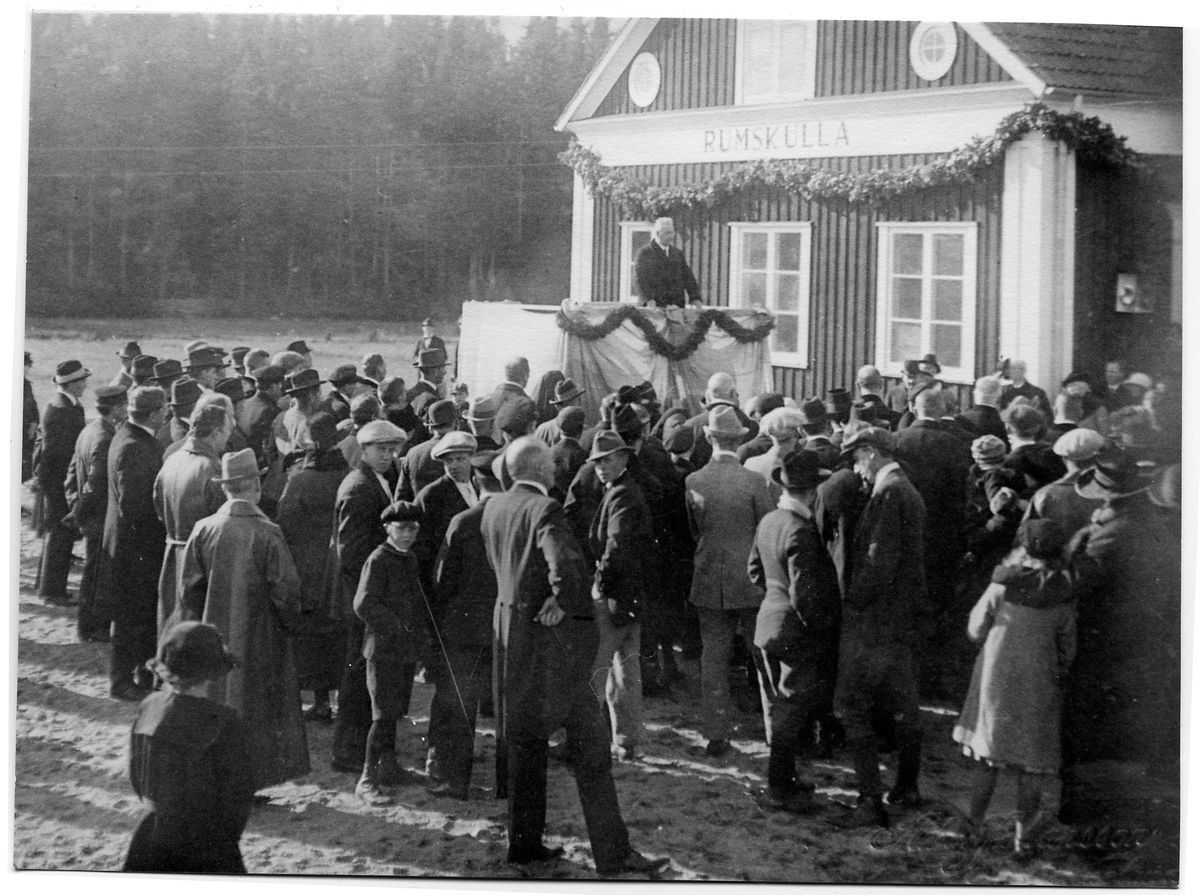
(255, 534)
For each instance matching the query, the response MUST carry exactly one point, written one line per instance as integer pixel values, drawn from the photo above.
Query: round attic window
(932, 49)
(645, 77)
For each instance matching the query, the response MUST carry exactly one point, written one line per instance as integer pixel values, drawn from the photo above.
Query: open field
(74, 808)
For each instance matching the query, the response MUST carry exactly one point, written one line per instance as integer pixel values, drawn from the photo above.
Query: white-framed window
(771, 267)
(776, 60)
(634, 236)
(932, 49)
(925, 297)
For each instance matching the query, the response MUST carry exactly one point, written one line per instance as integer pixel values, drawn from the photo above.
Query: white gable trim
(614, 61)
(1004, 57)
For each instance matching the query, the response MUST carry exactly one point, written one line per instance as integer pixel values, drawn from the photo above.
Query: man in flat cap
(238, 576)
(134, 541)
(87, 498)
(1059, 500)
(876, 663)
(128, 354)
(429, 340)
(62, 421)
(362, 497)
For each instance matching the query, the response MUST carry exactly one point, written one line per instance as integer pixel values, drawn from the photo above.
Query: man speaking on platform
(663, 276)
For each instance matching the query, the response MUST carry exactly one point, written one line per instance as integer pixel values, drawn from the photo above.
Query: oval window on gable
(932, 49)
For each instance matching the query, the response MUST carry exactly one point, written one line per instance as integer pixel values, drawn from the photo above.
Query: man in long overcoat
(134, 541)
(87, 498)
(797, 625)
(725, 503)
(185, 491)
(87, 491)
(545, 641)
(238, 576)
(62, 421)
(362, 497)
(875, 651)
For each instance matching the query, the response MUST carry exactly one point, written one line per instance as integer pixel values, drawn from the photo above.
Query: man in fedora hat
(721, 392)
(429, 340)
(432, 364)
(347, 384)
(128, 354)
(362, 497)
(185, 392)
(621, 543)
(797, 626)
(725, 503)
(481, 418)
(165, 373)
(817, 429)
(567, 453)
(566, 394)
(142, 370)
(304, 388)
(544, 647)
(875, 651)
(239, 577)
(186, 491)
(206, 365)
(301, 348)
(261, 410)
(417, 468)
(1122, 702)
(87, 500)
(62, 421)
(134, 541)
(190, 760)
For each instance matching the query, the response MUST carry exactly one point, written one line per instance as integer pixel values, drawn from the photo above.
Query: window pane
(947, 299)
(948, 254)
(754, 289)
(787, 333)
(906, 253)
(754, 251)
(906, 297)
(787, 294)
(788, 248)
(759, 65)
(906, 342)
(947, 344)
(793, 53)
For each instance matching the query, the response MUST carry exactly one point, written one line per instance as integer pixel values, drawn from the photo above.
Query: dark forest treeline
(332, 165)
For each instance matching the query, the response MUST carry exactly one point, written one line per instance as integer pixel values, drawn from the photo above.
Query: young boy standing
(394, 611)
(190, 761)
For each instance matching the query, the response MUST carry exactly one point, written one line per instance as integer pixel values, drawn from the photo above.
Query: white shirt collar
(532, 484)
(152, 433)
(383, 483)
(882, 475)
(75, 402)
(467, 490)
(721, 452)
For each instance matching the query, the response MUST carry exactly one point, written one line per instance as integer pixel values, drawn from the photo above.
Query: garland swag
(577, 326)
(1091, 139)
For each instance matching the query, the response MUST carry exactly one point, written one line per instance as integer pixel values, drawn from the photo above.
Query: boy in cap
(189, 760)
(395, 616)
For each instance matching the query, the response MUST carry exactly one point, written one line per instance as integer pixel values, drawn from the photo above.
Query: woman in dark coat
(307, 516)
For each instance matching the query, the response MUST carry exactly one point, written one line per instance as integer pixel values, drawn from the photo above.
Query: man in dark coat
(984, 417)
(417, 468)
(347, 384)
(463, 599)
(516, 379)
(261, 410)
(362, 497)
(1020, 387)
(545, 644)
(721, 392)
(430, 340)
(1031, 458)
(238, 576)
(663, 276)
(621, 544)
(797, 625)
(815, 424)
(567, 453)
(432, 365)
(29, 422)
(62, 421)
(937, 463)
(134, 542)
(87, 499)
(875, 655)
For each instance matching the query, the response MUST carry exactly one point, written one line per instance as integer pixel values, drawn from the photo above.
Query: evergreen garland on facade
(1093, 141)
(578, 326)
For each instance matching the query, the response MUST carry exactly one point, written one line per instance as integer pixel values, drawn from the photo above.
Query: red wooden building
(1061, 256)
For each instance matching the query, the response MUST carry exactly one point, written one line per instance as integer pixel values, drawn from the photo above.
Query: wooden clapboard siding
(844, 251)
(698, 58)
